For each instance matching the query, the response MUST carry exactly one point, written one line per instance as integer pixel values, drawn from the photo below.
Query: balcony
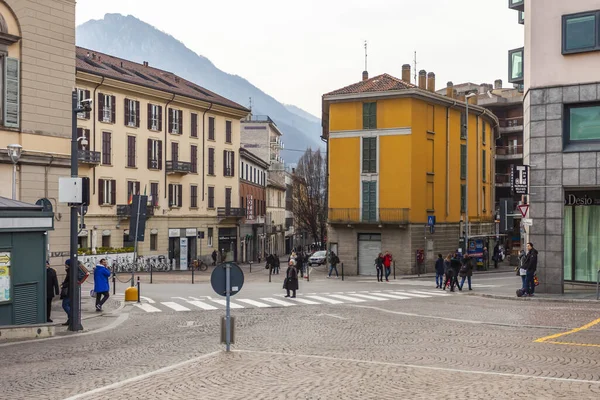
(518, 5)
(503, 180)
(178, 167)
(124, 210)
(511, 125)
(506, 153)
(225, 212)
(394, 216)
(88, 157)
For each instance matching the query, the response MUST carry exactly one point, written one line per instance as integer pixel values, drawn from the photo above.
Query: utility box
(70, 190)
(23, 238)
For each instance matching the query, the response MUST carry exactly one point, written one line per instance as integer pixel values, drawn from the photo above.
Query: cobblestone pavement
(462, 348)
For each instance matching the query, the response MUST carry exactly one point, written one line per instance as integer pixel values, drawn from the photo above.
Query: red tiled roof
(380, 83)
(139, 74)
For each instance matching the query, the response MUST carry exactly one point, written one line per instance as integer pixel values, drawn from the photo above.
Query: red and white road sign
(523, 208)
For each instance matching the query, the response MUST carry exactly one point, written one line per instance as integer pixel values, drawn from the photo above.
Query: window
(132, 113)
(154, 154)
(227, 131)
(133, 188)
(484, 165)
(194, 127)
(370, 115)
(131, 151)
(246, 173)
(107, 192)
(106, 108)
(228, 163)
(211, 128)
(463, 126)
(11, 85)
(175, 195)
(483, 132)
(175, 121)
(82, 242)
(279, 199)
(211, 197)
(83, 133)
(580, 32)
(153, 242)
(83, 94)
(515, 65)
(463, 198)
(194, 196)
(463, 161)
(210, 237)
(154, 117)
(581, 237)
(105, 241)
(582, 123)
(126, 241)
(369, 156)
(106, 148)
(174, 152)
(228, 198)
(211, 161)
(369, 201)
(194, 159)
(154, 193)
(483, 200)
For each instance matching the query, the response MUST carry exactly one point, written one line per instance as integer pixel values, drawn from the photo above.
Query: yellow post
(131, 294)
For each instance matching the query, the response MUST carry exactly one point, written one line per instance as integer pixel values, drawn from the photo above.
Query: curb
(432, 275)
(540, 299)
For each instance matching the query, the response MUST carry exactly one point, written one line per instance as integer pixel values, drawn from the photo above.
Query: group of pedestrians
(383, 265)
(527, 270)
(448, 270)
(301, 259)
(273, 263)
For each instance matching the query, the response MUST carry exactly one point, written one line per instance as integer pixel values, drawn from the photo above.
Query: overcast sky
(298, 50)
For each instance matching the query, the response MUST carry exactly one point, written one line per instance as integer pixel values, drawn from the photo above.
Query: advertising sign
(250, 207)
(183, 254)
(5, 276)
(520, 179)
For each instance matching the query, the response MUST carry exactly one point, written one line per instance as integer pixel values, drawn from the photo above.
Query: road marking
(548, 339)
(423, 367)
(393, 296)
(224, 303)
(148, 299)
(326, 300)
(365, 296)
(201, 305)
(331, 315)
(180, 298)
(254, 303)
(430, 293)
(143, 376)
(147, 307)
(410, 294)
(175, 306)
(347, 298)
(304, 301)
(276, 301)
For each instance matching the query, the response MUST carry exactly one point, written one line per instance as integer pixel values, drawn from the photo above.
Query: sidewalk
(88, 307)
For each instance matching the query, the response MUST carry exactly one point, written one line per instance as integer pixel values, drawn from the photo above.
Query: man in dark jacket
(530, 265)
(496, 255)
(214, 257)
(439, 272)
(51, 289)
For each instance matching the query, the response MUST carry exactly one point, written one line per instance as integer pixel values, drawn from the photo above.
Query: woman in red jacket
(387, 263)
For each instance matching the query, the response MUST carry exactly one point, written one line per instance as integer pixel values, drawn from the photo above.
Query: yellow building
(397, 156)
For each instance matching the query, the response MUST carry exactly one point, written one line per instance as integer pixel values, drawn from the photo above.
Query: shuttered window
(194, 127)
(106, 108)
(484, 165)
(369, 201)
(369, 156)
(175, 121)
(131, 153)
(154, 154)
(132, 113)
(175, 195)
(154, 193)
(211, 128)
(194, 196)
(83, 94)
(133, 188)
(228, 131)
(154, 117)
(174, 152)
(106, 148)
(228, 163)
(463, 126)
(370, 115)
(211, 197)
(463, 198)
(107, 192)
(228, 198)
(81, 132)
(194, 159)
(463, 161)
(211, 161)
(11, 93)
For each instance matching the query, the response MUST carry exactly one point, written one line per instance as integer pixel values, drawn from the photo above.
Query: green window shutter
(373, 201)
(463, 161)
(366, 110)
(365, 155)
(11, 93)
(463, 198)
(483, 134)
(484, 166)
(373, 155)
(365, 201)
(373, 115)
(463, 126)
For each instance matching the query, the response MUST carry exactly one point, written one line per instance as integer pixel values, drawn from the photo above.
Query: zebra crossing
(208, 303)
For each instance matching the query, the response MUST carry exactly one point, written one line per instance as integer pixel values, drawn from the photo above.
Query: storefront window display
(582, 236)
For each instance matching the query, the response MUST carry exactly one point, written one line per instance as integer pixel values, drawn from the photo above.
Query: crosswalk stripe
(202, 305)
(365, 296)
(326, 300)
(347, 298)
(277, 301)
(147, 307)
(430, 293)
(304, 301)
(393, 296)
(254, 303)
(410, 294)
(224, 303)
(175, 306)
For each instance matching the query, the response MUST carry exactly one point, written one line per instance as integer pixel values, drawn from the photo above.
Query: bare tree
(310, 195)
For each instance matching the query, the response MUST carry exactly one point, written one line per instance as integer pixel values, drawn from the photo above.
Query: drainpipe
(93, 115)
(166, 118)
(204, 146)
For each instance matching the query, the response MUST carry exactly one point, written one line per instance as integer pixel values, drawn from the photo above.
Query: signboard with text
(519, 179)
(250, 207)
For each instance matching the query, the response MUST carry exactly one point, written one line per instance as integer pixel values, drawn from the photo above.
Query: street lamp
(467, 230)
(14, 152)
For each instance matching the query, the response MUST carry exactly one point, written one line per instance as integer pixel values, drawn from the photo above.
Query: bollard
(193, 273)
(250, 266)
(138, 287)
(114, 283)
(151, 267)
(342, 271)
(394, 270)
(270, 269)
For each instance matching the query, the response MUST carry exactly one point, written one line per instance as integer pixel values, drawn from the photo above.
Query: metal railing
(502, 179)
(124, 210)
(509, 150)
(181, 167)
(358, 215)
(88, 157)
(511, 122)
(260, 118)
(231, 212)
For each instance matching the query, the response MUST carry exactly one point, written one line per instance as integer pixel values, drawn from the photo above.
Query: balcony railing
(260, 118)
(231, 212)
(88, 157)
(511, 124)
(503, 180)
(178, 167)
(509, 152)
(377, 216)
(125, 210)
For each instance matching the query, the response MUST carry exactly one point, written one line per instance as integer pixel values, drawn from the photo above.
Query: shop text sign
(520, 179)
(582, 198)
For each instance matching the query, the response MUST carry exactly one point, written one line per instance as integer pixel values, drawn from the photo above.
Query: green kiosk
(23, 238)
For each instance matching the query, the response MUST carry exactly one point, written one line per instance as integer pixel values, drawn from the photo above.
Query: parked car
(318, 258)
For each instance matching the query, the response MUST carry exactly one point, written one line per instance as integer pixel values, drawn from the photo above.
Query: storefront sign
(5, 276)
(183, 254)
(191, 232)
(250, 207)
(582, 198)
(520, 179)
(174, 232)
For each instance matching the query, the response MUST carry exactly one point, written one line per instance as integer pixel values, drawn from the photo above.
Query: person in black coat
(466, 272)
(453, 272)
(51, 289)
(379, 267)
(530, 265)
(277, 263)
(496, 255)
(65, 292)
(439, 272)
(291, 279)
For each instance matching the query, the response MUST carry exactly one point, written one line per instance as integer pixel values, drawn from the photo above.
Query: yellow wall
(344, 181)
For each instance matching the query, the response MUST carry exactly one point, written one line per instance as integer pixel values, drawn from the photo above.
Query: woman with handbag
(291, 279)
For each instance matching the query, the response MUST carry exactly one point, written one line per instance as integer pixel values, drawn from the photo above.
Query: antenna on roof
(415, 61)
(366, 69)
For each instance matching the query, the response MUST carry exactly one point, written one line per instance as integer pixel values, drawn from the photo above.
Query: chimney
(145, 63)
(473, 100)
(365, 75)
(121, 64)
(498, 84)
(176, 79)
(431, 82)
(423, 79)
(93, 56)
(406, 73)
(450, 90)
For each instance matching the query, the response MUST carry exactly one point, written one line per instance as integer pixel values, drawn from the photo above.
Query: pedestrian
(387, 263)
(214, 257)
(486, 261)
(333, 260)
(51, 289)
(466, 272)
(277, 263)
(65, 289)
(291, 279)
(447, 271)
(530, 265)
(454, 268)
(439, 272)
(496, 256)
(523, 274)
(101, 285)
(379, 267)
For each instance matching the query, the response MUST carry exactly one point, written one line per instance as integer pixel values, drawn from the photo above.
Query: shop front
(582, 236)
(182, 247)
(228, 243)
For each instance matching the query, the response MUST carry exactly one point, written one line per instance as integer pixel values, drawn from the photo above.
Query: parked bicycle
(198, 265)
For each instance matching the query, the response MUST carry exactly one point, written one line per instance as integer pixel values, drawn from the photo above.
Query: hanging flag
(130, 199)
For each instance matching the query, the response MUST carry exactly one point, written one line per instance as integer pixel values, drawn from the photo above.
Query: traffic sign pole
(227, 307)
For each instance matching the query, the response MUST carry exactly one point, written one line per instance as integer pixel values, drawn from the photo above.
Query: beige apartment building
(153, 132)
(37, 57)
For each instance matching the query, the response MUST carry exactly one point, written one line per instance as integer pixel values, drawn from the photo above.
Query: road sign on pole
(523, 208)
(227, 280)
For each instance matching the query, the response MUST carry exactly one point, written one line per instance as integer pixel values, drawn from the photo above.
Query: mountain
(132, 39)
